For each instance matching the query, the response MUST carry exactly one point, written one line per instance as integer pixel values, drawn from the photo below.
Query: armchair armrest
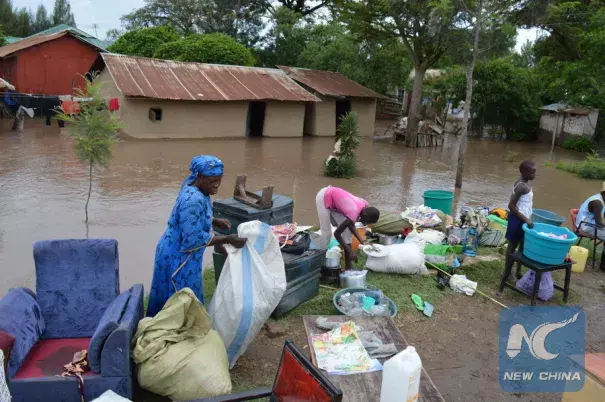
(115, 357)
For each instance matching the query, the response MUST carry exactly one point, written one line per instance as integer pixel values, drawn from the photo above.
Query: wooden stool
(538, 269)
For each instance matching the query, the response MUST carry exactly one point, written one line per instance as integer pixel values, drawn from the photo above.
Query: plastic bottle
(401, 377)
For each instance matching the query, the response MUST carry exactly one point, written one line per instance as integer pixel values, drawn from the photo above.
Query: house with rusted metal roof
(51, 62)
(170, 99)
(560, 122)
(338, 95)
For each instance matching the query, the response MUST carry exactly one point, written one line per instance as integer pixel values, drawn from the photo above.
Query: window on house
(155, 114)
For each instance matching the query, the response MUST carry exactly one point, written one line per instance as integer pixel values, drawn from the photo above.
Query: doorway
(256, 119)
(343, 106)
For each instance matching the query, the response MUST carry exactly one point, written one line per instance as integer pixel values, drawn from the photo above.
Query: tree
(238, 18)
(112, 35)
(3, 41)
(42, 21)
(143, 42)
(301, 7)
(209, 48)
(6, 16)
(424, 27)
(94, 130)
(62, 14)
(22, 23)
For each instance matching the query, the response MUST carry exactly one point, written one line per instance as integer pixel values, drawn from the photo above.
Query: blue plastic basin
(547, 250)
(544, 216)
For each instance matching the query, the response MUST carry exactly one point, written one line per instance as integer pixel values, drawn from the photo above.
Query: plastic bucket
(439, 199)
(361, 229)
(547, 250)
(544, 216)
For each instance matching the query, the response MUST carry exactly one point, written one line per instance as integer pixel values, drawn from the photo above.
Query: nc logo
(536, 341)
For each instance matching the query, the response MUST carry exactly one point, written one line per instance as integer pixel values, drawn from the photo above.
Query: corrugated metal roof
(579, 111)
(28, 42)
(554, 107)
(165, 79)
(12, 39)
(329, 83)
(38, 39)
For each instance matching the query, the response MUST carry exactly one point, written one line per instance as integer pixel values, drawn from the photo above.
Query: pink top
(339, 200)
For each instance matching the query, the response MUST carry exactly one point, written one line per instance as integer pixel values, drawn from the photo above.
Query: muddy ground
(458, 345)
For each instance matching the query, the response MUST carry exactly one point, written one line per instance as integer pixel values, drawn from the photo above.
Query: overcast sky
(106, 14)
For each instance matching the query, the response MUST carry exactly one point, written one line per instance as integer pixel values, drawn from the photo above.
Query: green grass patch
(581, 144)
(590, 168)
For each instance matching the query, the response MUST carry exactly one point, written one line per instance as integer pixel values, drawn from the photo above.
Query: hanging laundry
(10, 101)
(70, 107)
(114, 104)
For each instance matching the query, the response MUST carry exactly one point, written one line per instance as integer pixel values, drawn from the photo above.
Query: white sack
(406, 258)
(460, 284)
(251, 285)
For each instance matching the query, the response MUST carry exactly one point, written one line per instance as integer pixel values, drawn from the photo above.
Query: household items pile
(375, 347)
(340, 351)
(178, 354)
(355, 302)
(251, 285)
(422, 216)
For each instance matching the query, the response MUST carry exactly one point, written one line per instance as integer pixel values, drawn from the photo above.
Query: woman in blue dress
(178, 256)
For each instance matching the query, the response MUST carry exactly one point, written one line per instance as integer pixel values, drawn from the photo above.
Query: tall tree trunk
(89, 191)
(467, 103)
(415, 103)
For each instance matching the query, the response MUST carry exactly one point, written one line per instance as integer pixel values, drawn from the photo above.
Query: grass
(590, 168)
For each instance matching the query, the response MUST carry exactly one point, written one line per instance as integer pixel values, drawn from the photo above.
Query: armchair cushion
(108, 323)
(76, 280)
(21, 317)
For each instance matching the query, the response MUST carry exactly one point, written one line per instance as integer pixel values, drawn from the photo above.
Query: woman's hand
(237, 242)
(222, 224)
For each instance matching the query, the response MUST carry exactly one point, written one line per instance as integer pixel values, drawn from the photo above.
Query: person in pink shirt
(345, 209)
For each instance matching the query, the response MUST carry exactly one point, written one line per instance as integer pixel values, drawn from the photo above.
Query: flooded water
(43, 186)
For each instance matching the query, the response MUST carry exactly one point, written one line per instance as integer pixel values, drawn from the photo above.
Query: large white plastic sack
(251, 285)
(110, 396)
(406, 258)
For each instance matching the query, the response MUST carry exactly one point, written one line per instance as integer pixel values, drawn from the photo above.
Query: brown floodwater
(43, 186)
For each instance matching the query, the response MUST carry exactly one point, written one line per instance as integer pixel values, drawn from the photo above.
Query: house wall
(323, 117)
(52, 68)
(566, 126)
(284, 119)
(366, 113)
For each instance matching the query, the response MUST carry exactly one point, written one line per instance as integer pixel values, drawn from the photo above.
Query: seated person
(591, 212)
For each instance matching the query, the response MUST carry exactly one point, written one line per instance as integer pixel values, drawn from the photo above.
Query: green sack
(441, 255)
(390, 224)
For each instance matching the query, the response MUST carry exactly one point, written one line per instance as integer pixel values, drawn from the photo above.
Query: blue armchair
(77, 306)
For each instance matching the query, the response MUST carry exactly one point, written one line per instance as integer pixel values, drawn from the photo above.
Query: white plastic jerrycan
(401, 377)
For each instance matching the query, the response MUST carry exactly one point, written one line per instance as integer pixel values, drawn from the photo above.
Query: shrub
(590, 168)
(213, 48)
(581, 144)
(345, 166)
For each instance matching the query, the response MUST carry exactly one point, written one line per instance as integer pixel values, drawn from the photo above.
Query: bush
(213, 48)
(343, 168)
(582, 144)
(143, 42)
(590, 168)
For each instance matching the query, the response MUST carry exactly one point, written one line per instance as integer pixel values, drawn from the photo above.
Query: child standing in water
(521, 208)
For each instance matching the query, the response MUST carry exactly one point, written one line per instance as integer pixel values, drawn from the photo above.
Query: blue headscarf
(205, 165)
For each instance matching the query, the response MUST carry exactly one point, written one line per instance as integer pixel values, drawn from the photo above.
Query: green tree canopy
(503, 95)
(143, 42)
(42, 20)
(62, 14)
(208, 48)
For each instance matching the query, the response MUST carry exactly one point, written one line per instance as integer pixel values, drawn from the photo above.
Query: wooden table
(366, 387)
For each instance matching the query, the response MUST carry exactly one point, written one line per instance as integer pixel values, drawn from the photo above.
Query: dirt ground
(458, 345)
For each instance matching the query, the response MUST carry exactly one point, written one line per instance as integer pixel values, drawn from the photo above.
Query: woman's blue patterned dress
(178, 256)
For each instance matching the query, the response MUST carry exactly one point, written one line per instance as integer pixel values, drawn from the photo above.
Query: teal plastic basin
(544, 249)
(439, 199)
(336, 298)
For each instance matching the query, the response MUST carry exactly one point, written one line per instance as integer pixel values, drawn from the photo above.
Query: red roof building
(50, 64)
